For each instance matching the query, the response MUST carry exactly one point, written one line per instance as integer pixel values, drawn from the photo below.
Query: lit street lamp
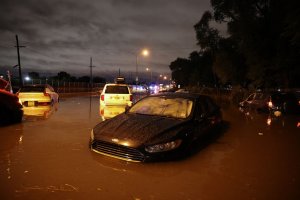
(27, 79)
(144, 53)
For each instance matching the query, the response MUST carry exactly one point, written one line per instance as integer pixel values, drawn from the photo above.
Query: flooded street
(47, 157)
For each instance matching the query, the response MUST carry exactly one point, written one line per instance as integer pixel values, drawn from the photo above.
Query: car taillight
(102, 97)
(46, 94)
(270, 104)
(101, 112)
(130, 97)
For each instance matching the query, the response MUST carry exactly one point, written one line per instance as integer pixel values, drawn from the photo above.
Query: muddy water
(47, 157)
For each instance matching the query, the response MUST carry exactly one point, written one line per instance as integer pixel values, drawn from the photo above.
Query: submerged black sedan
(157, 126)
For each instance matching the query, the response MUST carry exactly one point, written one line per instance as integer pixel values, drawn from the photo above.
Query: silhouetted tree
(63, 76)
(265, 33)
(262, 45)
(34, 75)
(84, 79)
(181, 71)
(98, 79)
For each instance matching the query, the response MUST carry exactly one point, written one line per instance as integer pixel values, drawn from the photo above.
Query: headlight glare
(163, 147)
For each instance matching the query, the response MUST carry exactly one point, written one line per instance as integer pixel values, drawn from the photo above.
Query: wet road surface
(47, 157)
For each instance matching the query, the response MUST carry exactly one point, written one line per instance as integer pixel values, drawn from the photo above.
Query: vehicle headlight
(164, 146)
(92, 134)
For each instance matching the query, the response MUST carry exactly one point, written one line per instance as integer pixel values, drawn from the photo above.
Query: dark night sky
(62, 35)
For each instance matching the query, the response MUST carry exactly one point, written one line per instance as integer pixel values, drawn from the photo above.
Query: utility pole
(19, 62)
(91, 72)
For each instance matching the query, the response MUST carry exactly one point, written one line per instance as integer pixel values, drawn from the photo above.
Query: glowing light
(277, 113)
(27, 78)
(115, 140)
(145, 52)
(21, 139)
(125, 144)
(269, 121)
(270, 104)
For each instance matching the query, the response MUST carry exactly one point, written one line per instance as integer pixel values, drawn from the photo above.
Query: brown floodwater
(47, 157)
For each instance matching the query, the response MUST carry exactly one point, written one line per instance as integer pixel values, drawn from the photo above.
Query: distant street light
(27, 78)
(144, 53)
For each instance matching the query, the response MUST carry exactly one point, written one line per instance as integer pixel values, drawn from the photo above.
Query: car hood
(135, 130)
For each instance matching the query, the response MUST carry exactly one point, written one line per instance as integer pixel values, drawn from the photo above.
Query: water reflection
(39, 112)
(10, 138)
(272, 120)
(107, 112)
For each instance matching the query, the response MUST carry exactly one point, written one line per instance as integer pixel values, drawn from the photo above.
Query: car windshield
(116, 89)
(162, 106)
(32, 89)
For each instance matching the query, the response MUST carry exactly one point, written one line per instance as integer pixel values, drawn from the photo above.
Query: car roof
(181, 95)
(115, 84)
(36, 85)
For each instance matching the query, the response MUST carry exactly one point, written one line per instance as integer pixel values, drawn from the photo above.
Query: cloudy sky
(62, 35)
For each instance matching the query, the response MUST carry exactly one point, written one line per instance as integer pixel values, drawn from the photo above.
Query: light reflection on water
(50, 159)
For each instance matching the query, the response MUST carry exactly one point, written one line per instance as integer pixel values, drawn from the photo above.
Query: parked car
(284, 102)
(157, 126)
(37, 95)
(257, 101)
(275, 103)
(10, 108)
(115, 94)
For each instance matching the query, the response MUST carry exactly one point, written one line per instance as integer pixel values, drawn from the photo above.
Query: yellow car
(115, 94)
(37, 95)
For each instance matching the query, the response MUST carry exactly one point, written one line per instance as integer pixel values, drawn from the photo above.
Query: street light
(144, 53)
(27, 79)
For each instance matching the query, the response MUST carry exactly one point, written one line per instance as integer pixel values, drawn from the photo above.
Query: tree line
(260, 49)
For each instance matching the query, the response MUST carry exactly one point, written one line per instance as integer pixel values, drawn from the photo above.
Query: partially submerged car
(275, 103)
(257, 101)
(284, 102)
(37, 95)
(10, 108)
(157, 126)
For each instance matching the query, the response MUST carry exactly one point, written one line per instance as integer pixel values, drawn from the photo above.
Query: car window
(116, 89)
(32, 89)
(161, 106)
